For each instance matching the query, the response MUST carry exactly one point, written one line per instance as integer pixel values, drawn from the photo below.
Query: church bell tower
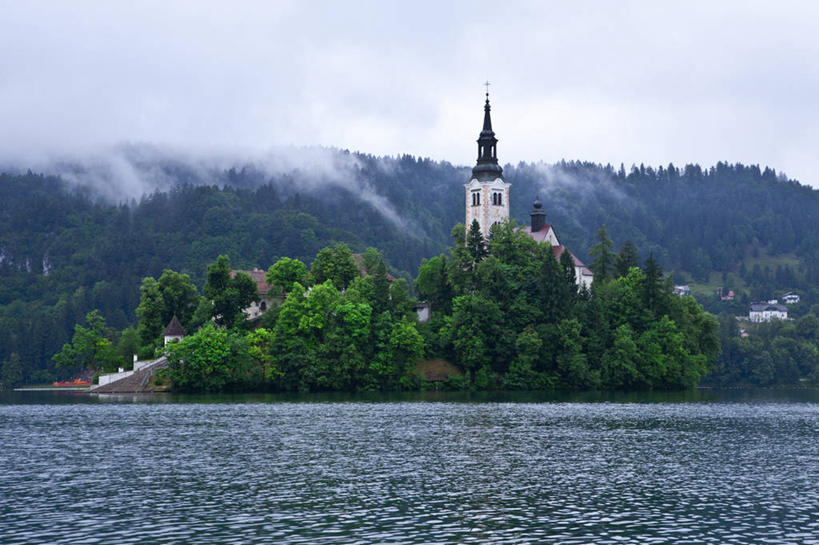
(487, 193)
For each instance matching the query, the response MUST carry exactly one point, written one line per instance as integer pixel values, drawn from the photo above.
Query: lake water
(701, 467)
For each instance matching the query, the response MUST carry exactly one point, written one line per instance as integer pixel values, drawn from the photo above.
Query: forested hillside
(66, 248)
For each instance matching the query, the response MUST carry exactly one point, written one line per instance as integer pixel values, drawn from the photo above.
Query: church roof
(174, 328)
(541, 234)
(558, 250)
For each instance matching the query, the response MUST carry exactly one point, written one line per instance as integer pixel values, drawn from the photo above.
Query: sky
(603, 81)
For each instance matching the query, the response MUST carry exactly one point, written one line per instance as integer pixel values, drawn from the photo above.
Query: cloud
(130, 171)
(632, 81)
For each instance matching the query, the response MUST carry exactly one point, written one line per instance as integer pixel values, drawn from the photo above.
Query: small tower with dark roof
(537, 215)
(487, 192)
(174, 331)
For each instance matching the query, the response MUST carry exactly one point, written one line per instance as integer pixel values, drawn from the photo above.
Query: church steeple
(487, 167)
(487, 193)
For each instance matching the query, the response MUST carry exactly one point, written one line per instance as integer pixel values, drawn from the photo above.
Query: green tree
(128, 344)
(229, 293)
(335, 264)
(401, 304)
(604, 259)
(476, 244)
(12, 372)
(150, 312)
(90, 347)
(653, 296)
(432, 284)
(627, 258)
(179, 297)
(286, 272)
(211, 360)
(567, 263)
(173, 294)
(404, 348)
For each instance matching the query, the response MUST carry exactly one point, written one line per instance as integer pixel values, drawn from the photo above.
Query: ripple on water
(409, 473)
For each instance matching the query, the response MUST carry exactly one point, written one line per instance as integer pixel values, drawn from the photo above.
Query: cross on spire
(487, 84)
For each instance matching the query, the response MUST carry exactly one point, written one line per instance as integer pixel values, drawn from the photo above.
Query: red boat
(75, 382)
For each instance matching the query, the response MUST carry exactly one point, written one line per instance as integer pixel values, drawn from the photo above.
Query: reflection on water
(707, 467)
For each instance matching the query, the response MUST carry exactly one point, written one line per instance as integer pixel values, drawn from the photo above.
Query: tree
(652, 286)
(173, 294)
(567, 263)
(476, 244)
(12, 372)
(603, 264)
(229, 293)
(150, 311)
(211, 360)
(404, 348)
(179, 297)
(432, 284)
(381, 288)
(627, 258)
(90, 347)
(286, 272)
(401, 304)
(335, 264)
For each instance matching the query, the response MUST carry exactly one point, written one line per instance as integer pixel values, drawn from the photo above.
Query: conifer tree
(627, 258)
(475, 243)
(603, 264)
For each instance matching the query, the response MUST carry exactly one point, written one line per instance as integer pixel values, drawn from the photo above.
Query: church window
(476, 198)
(263, 306)
(497, 199)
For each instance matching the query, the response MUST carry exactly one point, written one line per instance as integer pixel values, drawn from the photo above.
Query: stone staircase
(134, 383)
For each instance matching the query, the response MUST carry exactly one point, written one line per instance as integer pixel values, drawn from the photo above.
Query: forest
(66, 250)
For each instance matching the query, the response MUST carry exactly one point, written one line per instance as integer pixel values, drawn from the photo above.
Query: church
(487, 200)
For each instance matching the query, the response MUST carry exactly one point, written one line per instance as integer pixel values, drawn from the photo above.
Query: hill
(76, 241)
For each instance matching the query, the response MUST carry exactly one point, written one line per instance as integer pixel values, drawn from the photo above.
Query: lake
(696, 467)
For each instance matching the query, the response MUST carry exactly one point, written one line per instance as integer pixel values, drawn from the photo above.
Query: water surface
(703, 467)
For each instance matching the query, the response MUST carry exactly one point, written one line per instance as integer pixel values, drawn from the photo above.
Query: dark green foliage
(212, 360)
(626, 259)
(173, 294)
(228, 293)
(335, 264)
(11, 372)
(285, 272)
(522, 321)
(773, 354)
(96, 253)
(604, 258)
(90, 348)
(475, 243)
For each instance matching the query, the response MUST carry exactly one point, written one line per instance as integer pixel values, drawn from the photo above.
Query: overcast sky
(606, 81)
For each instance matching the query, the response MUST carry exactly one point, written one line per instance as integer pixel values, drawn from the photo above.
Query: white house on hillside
(765, 312)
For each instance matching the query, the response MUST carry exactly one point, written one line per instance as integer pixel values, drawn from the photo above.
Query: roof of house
(762, 307)
(259, 277)
(174, 328)
(558, 250)
(540, 235)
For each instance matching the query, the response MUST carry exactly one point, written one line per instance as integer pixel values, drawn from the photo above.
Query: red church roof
(558, 250)
(539, 235)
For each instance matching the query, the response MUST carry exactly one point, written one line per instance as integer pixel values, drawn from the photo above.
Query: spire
(487, 119)
(487, 167)
(538, 216)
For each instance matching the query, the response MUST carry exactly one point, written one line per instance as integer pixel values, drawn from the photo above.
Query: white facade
(172, 338)
(767, 312)
(487, 202)
(790, 298)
